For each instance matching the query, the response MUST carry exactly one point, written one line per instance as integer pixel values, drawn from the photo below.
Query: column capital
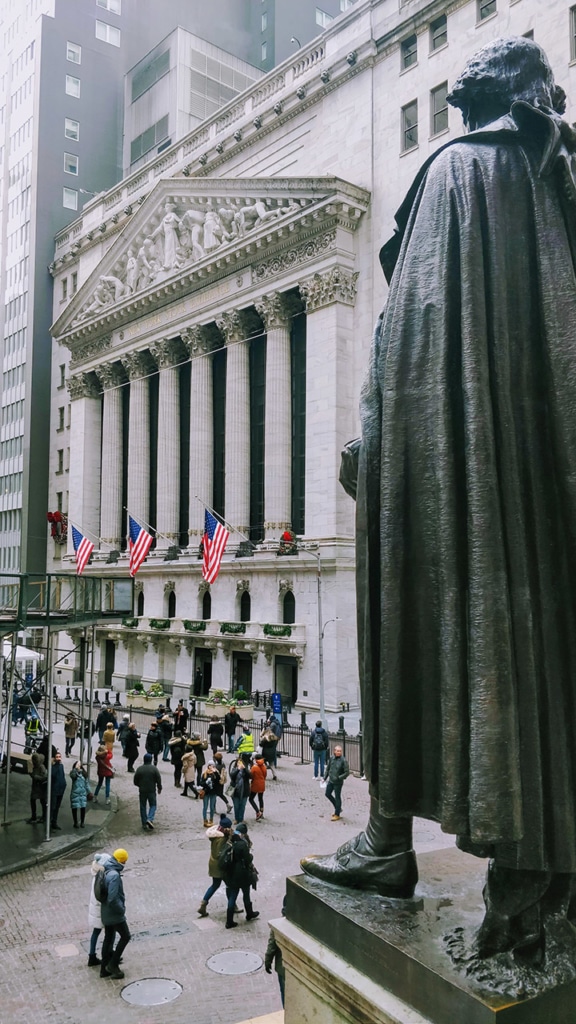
(273, 310)
(110, 375)
(334, 285)
(83, 385)
(200, 339)
(167, 352)
(231, 325)
(137, 364)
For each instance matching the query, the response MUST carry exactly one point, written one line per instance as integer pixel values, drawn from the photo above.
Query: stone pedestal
(362, 959)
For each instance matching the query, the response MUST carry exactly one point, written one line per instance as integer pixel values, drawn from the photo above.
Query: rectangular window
(345, 4)
(573, 33)
(153, 136)
(114, 6)
(410, 126)
(71, 129)
(439, 109)
(60, 455)
(409, 51)
(439, 32)
(70, 198)
(264, 22)
(74, 52)
(62, 369)
(70, 163)
(150, 73)
(485, 8)
(108, 33)
(60, 418)
(59, 500)
(323, 18)
(74, 282)
(64, 289)
(72, 86)
(264, 51)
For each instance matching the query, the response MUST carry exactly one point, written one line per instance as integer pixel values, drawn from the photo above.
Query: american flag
(214, 541)
(140, 543)
(83, 549)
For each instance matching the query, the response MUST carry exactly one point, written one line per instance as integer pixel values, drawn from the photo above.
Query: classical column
(237, 457)
(168, 354)
(139, 366)
(200, 342)
(111, 376)
(330, 398)
(85, 459)
(278, 416)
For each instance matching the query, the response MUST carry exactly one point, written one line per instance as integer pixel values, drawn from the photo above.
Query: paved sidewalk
(43, 909)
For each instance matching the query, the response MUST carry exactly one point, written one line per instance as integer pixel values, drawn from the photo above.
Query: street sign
(277, 705)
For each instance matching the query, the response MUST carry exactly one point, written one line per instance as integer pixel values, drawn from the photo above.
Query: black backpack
(318, 740)
(101, 886)
(226, 857)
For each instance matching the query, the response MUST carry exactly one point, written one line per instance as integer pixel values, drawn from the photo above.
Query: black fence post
(96, 701)
(168, 708)
(68, 697)
(76, 696)
(303, 729)
(54, 693)
(193, 706)
(117, 701)
(361, 750)
(342, 734)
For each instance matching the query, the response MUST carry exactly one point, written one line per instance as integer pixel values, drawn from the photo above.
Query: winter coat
(336, 770)
(94, 907)
(246, 744)
(131, 744)
(318, 736)
(123, 730)
(217, 841)
(177, 747)
(80, 789)
(114, 908)
(102, 719)
(39, 778)
(154, 741)
(268, 744)
(148, 779)
(215, 734)
(231, 721)
(104, 765)
(70, 727)
(210, 780)
(58, 780)
(199, 747)
(108, 737)
(180, 719)
(240, 777)
(189, 766)
(258, 774)
(165, 726)
(239, 873)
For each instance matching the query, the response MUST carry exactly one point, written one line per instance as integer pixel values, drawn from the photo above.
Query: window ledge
(405, 71)
(484, 21)
(438, 50)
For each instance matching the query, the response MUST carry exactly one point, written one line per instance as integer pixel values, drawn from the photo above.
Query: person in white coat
(94, 908)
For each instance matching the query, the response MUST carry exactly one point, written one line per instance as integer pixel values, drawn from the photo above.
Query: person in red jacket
(258, 774)
(105, 772)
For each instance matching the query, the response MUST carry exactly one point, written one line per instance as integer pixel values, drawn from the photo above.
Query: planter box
(246, 711)
(146, 703)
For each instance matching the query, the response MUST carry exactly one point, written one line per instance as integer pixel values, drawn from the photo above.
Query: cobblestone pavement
(43, 909)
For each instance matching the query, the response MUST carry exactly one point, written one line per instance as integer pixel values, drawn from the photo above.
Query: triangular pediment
(188, 229)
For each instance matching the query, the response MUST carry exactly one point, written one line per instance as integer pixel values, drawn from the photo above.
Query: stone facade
(271, 214)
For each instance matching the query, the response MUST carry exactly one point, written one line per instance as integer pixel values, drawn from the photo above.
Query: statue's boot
(380, 859)
(514, 902)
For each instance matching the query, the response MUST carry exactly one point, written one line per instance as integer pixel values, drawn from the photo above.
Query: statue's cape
(466, 510)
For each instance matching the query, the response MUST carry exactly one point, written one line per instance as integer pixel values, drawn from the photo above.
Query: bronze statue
(466, 511)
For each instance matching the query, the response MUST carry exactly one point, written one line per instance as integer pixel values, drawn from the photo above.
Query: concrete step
(268, 1018)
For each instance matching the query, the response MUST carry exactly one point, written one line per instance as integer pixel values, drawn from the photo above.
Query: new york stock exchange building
(212, 321)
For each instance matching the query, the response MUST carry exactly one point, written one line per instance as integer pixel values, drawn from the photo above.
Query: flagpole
(87, 533)
(232, 529)
(148, 526)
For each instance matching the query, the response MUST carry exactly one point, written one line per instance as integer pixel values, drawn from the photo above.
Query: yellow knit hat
(120, 855)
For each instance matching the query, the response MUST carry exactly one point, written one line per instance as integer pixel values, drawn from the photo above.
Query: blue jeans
(102, 779)
(94, 940)
(231, 742)
(334, 793)
(239, 807)
(209, 801)
(166, 754)
(216, 883)
(319, 763)
(147, 800)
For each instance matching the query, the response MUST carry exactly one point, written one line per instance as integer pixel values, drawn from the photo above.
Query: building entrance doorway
(286, 679)
(202, 672)
(241, 671)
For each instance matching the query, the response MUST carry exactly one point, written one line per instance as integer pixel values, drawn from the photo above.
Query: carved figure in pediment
(102, 297)
(192, 234)
(227, 219)
(148, 265)
(132, 269)
(213, 231)
(250, 217)
(117, 287)
(169, 229)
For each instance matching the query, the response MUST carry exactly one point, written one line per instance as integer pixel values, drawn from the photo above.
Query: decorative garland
(130, 623)
(160, 623)
(271, 630)
(194, 625)
(233, 627)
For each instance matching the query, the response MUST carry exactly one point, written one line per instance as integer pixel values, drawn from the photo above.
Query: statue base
(362, 959)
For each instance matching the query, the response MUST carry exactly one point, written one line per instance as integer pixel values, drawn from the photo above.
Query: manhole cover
(151, 992)
(235, 961)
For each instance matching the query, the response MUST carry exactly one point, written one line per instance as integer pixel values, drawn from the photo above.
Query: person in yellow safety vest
(245, 744)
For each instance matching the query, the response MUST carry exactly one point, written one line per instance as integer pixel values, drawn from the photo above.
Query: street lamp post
(321, 629)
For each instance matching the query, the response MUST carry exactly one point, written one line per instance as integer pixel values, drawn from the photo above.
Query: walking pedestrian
(337, 771)
(132, 745)
(123, 732)
(220, 794)
(108, 736)
(165, 726)
(94, 909)
(39, 780)
(239, 874)
(276, 727)
(189, 769)
(57, 790)
(149, 782)
(181, 718)
(215, 733)
(210, 779)
(245, 744)
(240, 778)
(154, 741)
(273, 957)
(258, 774)
(218, 835)
(113, 911)
(177, 748)
(102, 719)
(105, 772)
(319, 742)
(199, 746)
(70, 731)
(231, 722)
(79, 793)
(268, 743)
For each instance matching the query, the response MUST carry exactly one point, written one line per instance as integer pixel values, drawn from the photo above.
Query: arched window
(140, 611)
(289, 608)
(245, 607)
(207, 605)
(171, 605)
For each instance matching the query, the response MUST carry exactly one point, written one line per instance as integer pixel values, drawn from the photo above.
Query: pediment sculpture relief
(187, 232)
